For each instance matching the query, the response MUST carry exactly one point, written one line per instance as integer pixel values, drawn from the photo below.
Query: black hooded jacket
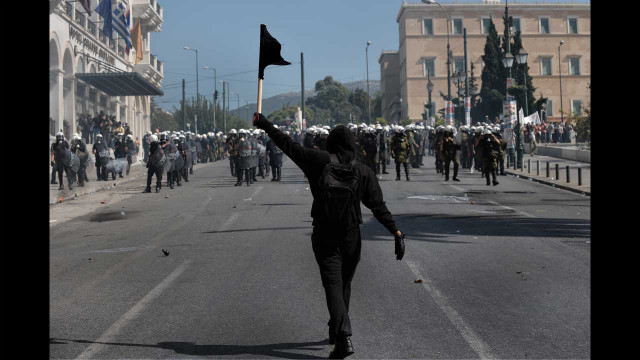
(312, 162)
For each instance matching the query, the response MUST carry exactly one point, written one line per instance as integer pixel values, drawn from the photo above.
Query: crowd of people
(548, 133)
(104, 124)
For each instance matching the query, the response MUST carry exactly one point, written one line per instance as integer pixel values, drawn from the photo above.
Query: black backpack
(339, 185)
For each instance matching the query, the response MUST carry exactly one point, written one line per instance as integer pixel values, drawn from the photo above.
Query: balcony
(151, 68)
(150, 14)
(102, 37)
(112, 44)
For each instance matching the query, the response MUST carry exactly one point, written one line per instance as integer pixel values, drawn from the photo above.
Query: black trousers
(406, 169)
(447, 164)
(337, 254)
(158, 172)
(276, 171)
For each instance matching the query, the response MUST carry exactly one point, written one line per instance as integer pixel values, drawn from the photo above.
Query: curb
(54, 201)
(560, 186)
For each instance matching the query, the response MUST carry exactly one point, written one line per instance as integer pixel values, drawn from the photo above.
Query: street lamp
(197, 86)
(215, 92)
(430, 89)
(560, 72)
(224, 113)
(368, 95)
(448, 46)
(522, 60)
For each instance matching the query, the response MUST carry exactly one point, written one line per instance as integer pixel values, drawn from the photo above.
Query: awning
(120, 84)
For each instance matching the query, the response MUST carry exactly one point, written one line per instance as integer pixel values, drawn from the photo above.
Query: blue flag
(104, 10)
(121, 23)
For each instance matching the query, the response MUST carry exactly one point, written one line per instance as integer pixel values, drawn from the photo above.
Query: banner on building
(467, 111)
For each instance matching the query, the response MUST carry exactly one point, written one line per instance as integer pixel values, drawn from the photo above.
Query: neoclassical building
(89, 73)
(422, 33)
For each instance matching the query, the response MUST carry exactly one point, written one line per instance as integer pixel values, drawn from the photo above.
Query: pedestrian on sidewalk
(336, 238)
(533, 147)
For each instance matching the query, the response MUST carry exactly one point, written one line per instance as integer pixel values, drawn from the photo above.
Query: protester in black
(336, 249)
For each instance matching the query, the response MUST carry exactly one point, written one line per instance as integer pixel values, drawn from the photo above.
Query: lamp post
(430, 89)
(560, 72)
(215, 95)
(522, 60)
(224, 114)
(368, 95)
(197, 86)
(448, 47)
(458, 78)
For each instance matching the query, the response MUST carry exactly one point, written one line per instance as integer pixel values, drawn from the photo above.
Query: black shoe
(342, 349)
(495, 183)
(274, 179)
(408, 179)
(61, 187)
(397, 179)
(488, 183)
(384, 172)
(121, 175)
(157, 190)
(503, 174)
(446, 179)
(191, 171)
(70, 187)
(147, 190)
(171, 186)
(248, 184)
(456, 179)
(127, 173)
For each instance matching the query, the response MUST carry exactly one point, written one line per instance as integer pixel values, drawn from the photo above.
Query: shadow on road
(191, 349)
(261, 229)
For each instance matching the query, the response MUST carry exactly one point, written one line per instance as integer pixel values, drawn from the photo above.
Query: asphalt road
(505, 270)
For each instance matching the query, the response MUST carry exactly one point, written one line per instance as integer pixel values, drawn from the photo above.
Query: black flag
(269, 51)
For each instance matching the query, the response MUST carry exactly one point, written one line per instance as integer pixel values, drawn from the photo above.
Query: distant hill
(293, 98)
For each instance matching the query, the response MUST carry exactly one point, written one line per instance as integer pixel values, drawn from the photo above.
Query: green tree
(493, 78)
(161, 119)
(278, 117)
(519, 72)
(333, 97)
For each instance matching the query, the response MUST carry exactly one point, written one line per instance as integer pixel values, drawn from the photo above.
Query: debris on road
(102, 202)
(166, 196)
(60, 199)
(419, 281)
(122, 213)
(247, 199)
(165, 252)
(473, 203)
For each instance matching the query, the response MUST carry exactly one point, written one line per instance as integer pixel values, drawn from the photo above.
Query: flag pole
(259, 96)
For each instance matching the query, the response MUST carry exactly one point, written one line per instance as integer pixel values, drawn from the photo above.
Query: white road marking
(512, 209)
(229, 221)
(457, 187)
(257, 191)
(469, 335)
(132, 314)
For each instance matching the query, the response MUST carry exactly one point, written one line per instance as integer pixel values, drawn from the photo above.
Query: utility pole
(184, 122)
(302, 79)
(224, 114)
(368, 94)
(215, 98)
(466, 81)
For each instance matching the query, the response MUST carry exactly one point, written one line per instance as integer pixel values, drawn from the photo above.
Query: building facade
(77, 46)
(423, 44)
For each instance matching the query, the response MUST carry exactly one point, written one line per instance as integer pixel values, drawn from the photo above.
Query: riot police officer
(448, 153)
(400, 149)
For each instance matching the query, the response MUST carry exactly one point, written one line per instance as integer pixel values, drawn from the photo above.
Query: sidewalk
(540, 175)
(138, 171)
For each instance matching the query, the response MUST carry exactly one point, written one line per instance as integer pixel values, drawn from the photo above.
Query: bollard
(538, 168)
(547, 169)
(521, 165)
(557, 172)
(529, 166)
(579, 176)
(568, 177)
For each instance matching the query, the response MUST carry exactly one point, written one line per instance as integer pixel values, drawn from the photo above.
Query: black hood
(340, 142)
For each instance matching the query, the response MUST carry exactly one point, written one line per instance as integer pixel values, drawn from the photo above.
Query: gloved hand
(399, 240)
(256, 117)
(53, 163)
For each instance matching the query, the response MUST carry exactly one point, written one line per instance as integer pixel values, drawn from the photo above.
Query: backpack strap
(334, 158)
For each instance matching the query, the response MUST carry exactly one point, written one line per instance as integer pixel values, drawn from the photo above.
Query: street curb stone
(559, 186)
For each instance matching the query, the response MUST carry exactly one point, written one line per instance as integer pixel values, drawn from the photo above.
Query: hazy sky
(332, 34)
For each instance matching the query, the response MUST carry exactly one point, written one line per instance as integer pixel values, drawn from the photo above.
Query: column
(60, 101)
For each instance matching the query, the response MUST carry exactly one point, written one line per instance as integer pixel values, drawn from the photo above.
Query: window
(576, 107)
(574, 66)
(573, 25)
(485, 25)
(544, 25)
(458, 64)
(457, 27)
(516, 24)
(429, 66)
(546, 65)
(427, 26)
(549, 107)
